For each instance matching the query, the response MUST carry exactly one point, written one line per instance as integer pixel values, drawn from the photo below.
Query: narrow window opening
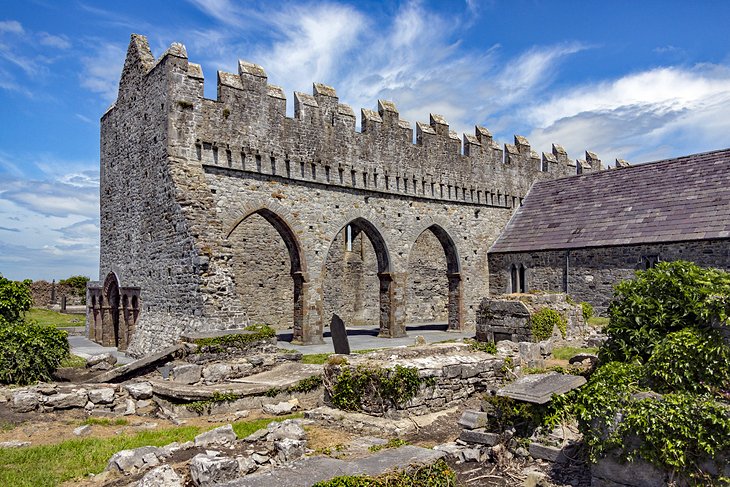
(273, 165)
(348, 238)
(215, 155)
(523, 282)
(287, 164)
(327, 173)
(258, 163)
(513, 278)
(353, 178)
(229, 158)
(314, 171)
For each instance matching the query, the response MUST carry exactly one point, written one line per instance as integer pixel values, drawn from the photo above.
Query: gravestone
(539, 388)
(339, 335)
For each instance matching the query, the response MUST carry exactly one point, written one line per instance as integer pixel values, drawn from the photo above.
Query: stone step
(280, 377)
(307, 471)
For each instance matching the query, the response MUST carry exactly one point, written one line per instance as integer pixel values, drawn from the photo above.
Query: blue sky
(633, 80)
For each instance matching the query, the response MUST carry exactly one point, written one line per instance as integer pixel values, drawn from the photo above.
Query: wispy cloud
(102, 69)
(11, 27)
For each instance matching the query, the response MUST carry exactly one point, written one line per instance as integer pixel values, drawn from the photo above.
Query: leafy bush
(15, 300)
(477, 346)
(690, 360)
(437, 475)
(77, 283)
(544, 321)
(587, 311)
(392, 386)
(661, 300)
(236, 340)
(30, 352)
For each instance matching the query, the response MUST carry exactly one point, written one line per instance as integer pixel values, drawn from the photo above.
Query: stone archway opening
(434, 295)
(268, 271)
(357, 283)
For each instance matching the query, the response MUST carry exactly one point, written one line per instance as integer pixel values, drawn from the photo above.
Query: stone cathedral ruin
(220, 212)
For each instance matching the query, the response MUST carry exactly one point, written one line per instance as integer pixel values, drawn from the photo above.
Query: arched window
(514, 278)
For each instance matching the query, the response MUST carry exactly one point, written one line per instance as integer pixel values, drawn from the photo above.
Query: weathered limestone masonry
(183, 176)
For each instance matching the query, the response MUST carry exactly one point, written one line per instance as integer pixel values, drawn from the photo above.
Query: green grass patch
(50, 317)
(598, 321)
(315, 358)
(105, 422)
(73, 361)
(50, 465)
(565, 353)
(392, 443)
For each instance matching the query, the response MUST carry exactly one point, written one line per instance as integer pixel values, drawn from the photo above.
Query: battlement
(248, 122)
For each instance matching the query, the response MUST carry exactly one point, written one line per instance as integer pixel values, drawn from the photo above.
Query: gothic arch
(283, 226)
(386, 313)
(455, 306)
(112, 334)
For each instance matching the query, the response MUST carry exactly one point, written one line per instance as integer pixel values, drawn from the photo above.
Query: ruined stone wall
(43, 293)
(180, 173)
(592, 272)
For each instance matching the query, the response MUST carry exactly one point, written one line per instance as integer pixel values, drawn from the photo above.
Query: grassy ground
(74, 361)
(50, 317)
(50, 465)
(320, 358)
(598, 321)
(565, 353)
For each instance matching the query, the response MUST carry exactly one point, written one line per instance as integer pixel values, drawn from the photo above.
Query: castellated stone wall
(226, 211)
(593, 272)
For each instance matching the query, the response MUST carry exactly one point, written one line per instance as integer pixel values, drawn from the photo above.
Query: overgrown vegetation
(315, 358)
(105, 422)
(662, 391)
(29, 352)
(205, 405)
(305, 385)
(391, 443)
(51, 465)
(235, 340)
(587, 311)
(391, 387)
(73, 361)
(77, 284)
(477, 346)
(437, 475)
(543, 322)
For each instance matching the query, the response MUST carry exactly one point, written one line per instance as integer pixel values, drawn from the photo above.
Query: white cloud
(102, 70)
(11, 27)
(641, 116)
(59, 42)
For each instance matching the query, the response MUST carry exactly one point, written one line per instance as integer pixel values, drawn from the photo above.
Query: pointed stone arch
(282, 223)
(386, 315)
(111, 334)
(455, 298)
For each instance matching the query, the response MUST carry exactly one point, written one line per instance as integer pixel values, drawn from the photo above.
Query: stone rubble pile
(216, 456)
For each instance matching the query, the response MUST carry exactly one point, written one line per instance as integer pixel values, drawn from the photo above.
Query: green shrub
(437, 475)
(587, 311)
(544, 321)
(661, 300)
(477, 346)
(30, 352)
(15, 300)
(690, 360)
(77, 283)
(393, 387)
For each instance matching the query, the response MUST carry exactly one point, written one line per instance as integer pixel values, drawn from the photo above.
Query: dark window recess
(649, 261)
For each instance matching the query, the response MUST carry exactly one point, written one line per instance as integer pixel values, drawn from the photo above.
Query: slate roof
(687, 198)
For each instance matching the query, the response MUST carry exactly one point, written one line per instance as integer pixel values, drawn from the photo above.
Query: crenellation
(622, 163)
(522, 145)
(593, 161)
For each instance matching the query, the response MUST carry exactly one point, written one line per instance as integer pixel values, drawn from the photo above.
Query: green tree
(78, 283)
(15, 299)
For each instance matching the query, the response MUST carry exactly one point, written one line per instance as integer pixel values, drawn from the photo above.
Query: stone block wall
(593, 272)
(507, 317)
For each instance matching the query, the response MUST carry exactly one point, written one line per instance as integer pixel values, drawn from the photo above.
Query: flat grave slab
(539, 388)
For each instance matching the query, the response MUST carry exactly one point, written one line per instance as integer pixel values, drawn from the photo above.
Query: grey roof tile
(687, 198)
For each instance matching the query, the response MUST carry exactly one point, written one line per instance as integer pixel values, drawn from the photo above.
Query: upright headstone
(53, 292)
(339, 335)
(63, 303)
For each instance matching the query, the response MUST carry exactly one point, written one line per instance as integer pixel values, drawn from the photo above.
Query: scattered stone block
(479, 436)
(260, 459)
(14, 444)
(471, 419)
(553, 454)
(207, 469)
(539, 388)
(608, 472)
(104, 395)
(257, 435)
(77, 399)
(187, 373)
(25, 401)
(282, 408)
(139, 390)
(286, 429)
(246, 465)
(162, 476)
(535, 478)
(103, 361)
(222, 435)
(130, 461)
(84, 430)
(289, 449)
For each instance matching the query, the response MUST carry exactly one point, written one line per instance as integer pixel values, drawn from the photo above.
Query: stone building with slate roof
(583, 234)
